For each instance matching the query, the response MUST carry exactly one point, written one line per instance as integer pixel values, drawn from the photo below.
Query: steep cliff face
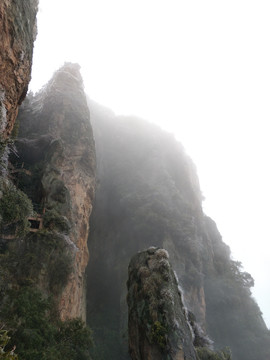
(56, 147)
(148, 195)
(17, 34)
(232, 316)
(42, 265)
(158, 324)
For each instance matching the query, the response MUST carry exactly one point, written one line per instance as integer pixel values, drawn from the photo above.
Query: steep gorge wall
(17, 34)
(56, 136)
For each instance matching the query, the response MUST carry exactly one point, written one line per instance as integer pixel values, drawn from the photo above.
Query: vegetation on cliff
(158, 324)
(34, 268)
(233, 317)
(208, 354)
(37, 254)
(55, 166)
(37, 331)
(148, 194)
(4, 340)
(39, 242)
(15, 208)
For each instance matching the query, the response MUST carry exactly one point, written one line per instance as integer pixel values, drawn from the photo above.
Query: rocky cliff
(56, 137)
(46, 192)
(17, 34)
(46, 201)
(148, 195)
(158, 323)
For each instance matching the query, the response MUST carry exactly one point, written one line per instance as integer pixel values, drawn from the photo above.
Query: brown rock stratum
(17, 35)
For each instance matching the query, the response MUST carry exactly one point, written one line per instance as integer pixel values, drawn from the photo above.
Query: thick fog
(199, 70)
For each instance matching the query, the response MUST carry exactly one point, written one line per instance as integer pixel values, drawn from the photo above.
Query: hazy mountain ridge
(149, 195)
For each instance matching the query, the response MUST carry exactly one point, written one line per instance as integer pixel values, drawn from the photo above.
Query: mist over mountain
(105, 251)
(148, 195)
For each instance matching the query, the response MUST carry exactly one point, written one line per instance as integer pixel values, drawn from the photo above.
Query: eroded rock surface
(17, 34)
(158, 322)
(56, 122)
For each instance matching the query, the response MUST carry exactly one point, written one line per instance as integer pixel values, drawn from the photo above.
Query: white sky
(200, 69)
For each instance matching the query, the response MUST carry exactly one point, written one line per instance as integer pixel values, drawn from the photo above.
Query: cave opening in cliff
(35, 223)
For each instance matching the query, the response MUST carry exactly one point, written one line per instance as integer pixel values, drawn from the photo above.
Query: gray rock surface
(158, 322)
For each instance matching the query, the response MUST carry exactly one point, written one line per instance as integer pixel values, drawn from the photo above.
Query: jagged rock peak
(17, 35)
(64, 76)
(158, 322)
(65, 83)
(63, 105)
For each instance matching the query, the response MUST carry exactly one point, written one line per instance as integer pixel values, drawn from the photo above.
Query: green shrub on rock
(15, 207)
(38, 332)
(158, 335)
(54, 221)
(4, 340)
(207, 354)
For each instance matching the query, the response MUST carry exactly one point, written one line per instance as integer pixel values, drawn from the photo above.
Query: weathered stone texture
(17, 35)
(158, 323)
(59, 117)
